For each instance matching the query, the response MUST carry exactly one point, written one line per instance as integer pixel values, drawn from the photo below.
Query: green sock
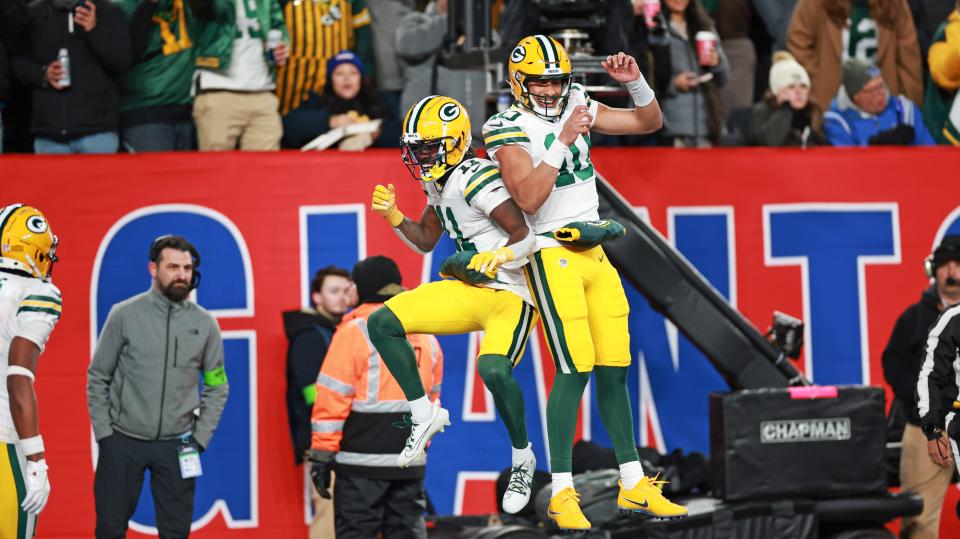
(563, 408)
(390, 339)
(507, 395)
(613, 400)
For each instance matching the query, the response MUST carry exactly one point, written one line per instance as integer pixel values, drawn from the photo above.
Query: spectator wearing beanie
(865, 113)
(786, 116)
(347, 98)
(941, 109)
(358, 407)
(318, 31)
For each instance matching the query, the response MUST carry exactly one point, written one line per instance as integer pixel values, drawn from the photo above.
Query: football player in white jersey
(542, 146)
(467, 200)
(30, 306)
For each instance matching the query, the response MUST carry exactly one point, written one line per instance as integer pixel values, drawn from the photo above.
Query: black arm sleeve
(110, 38)
(897, 361)
(14, 18)
(203, 9)
(306, 354)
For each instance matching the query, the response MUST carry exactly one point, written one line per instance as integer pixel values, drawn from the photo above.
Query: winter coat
(904, 352)
(815, 39)
(697, 113)
(359, 401)
(847, 125)
(97, 59)
(308, 337)
(779, 125)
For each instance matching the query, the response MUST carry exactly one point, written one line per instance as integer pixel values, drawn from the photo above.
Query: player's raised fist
(384, 202)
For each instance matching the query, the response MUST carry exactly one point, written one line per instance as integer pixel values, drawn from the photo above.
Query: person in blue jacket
(865, 114)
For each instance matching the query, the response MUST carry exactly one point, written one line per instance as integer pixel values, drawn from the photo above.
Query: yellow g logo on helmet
(540, 58)
(436, 137)
(27, 244)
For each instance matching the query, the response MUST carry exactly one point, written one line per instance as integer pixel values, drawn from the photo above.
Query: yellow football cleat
(564, 510)
(647, 499)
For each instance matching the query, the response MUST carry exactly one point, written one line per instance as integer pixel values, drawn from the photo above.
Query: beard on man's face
(176, 291)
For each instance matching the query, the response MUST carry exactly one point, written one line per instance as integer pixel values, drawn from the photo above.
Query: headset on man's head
(949, 249)
(180, 243)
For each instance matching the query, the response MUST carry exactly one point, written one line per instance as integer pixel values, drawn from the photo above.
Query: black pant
(119, 479)
(362, 507)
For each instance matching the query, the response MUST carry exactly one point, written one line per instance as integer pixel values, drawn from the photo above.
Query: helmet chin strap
(33, 266)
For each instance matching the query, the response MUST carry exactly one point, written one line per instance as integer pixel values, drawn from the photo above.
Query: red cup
(706, 45)
(650, 10)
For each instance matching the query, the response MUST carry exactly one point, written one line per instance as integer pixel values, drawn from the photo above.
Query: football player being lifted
(30, 306)
(542, 146)
(467, 200)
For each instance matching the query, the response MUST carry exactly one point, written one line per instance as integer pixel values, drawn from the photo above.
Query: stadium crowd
(85, 76)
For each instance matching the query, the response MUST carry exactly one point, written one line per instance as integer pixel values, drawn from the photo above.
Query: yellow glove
(385, 203)
(488, 262)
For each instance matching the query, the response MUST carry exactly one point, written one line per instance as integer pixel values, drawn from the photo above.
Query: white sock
(630, 474)
(421, 409)
(560, 482)
(521, 455)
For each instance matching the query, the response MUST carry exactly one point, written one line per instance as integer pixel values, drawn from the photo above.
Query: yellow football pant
(15, 523)
(452, 307)
(584, 308)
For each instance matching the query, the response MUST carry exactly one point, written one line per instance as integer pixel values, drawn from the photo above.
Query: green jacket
(217, 28)
(163, 71)
(938, 100)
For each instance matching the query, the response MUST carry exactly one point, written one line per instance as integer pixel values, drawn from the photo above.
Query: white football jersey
(29, 308)
(574, 196)
(471, 192)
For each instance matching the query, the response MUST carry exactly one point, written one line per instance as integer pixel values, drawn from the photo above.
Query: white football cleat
(420, 434)
(520, 486)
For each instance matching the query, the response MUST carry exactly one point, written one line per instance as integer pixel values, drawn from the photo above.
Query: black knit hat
(377, 278)
(949, 249)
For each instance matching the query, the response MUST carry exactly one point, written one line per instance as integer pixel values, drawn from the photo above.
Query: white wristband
(31, 446)
(17, 370)
(556, 156)
(640, 91)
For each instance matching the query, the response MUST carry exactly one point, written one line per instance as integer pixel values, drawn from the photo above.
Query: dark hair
(698, 20)
(317, 282)
(366, 102)
(170, 241)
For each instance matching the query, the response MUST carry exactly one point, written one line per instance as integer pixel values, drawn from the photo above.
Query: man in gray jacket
(419, 39)
(144, 397)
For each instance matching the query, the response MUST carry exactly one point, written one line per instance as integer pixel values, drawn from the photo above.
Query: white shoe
(520, 486)
(420, 434)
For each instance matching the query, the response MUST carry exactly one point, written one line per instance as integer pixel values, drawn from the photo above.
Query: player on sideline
(542, 146)
(30, 306)
(465, 198)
